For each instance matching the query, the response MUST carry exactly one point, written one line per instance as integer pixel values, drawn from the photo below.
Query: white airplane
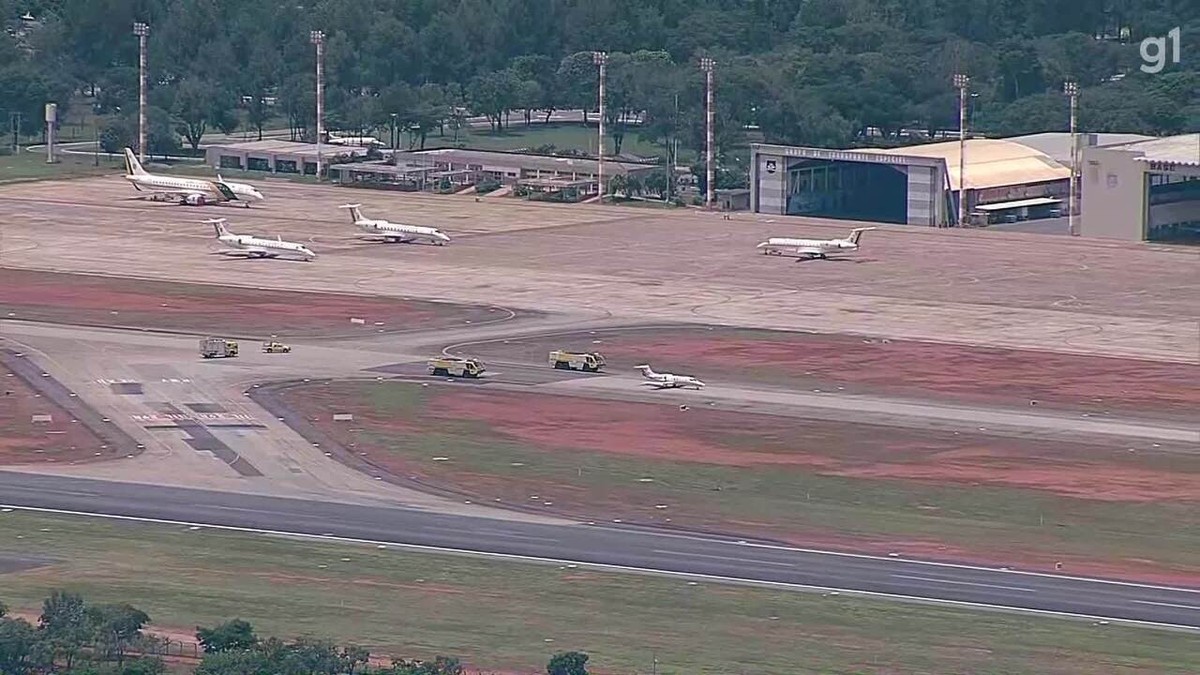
(668, 380)
(257, 247)
(813, 248)
(395, 231)
(188, 191)
(365, 141)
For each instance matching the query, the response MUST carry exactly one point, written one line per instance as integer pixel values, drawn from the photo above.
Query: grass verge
(754, 475)
(512, 616)
(28, 166)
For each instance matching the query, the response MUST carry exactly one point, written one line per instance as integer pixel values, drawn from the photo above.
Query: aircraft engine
(194, 200)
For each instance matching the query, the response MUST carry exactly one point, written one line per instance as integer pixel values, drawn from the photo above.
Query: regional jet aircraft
(808, 249)
(257, 247)
(188, 191)
(668, 380)
(395, 231)
(367, 141)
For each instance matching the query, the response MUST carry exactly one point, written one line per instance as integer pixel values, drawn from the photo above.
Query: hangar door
(847, 190)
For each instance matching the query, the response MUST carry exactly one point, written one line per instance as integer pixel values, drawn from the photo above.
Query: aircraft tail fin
(132, 165)
(856, 234)
(646, 370)
(218, 226)
(355, 213)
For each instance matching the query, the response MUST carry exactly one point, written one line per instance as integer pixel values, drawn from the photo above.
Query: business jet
(808, 249)
(395, 231)
(257, 247)
(668, 380)
(188, 191)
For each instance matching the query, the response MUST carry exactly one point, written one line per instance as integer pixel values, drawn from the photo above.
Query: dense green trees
(826, 72)
(74, 637)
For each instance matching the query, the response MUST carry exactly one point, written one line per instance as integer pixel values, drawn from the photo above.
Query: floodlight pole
(1071, 89)
(141, 30)
(707, 64)
(317, 37)
(962, 82)
(601, 60)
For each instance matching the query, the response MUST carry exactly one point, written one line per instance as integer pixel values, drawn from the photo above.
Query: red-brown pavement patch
(665, 433)
(23, 441)
(111, 301)
(892, 367)
(1096, 481)
(744, 441)
(653, 431)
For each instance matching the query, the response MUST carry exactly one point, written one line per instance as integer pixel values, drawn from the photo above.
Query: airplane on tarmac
(395, 231)
(257, 247)
(668, 380)
(188, 191)
(363, 141)
(808, 249)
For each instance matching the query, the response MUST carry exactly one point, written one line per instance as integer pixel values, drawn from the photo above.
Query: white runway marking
(964, 583)
(623, 568)
(726, 558)
(1167, 604)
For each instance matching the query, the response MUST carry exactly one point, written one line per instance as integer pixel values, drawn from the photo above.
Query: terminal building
(441, 169)
(278, 156)
(455, 166)
(1131, 187)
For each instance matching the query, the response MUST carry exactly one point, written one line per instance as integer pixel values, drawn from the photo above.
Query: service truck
(218, 348)
(456, 366)
(273, 347)
(585, 361)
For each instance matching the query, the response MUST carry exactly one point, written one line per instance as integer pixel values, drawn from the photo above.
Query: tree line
(835, 73)
(75, 637)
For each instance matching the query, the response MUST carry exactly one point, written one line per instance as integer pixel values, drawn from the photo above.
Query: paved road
(631, 549)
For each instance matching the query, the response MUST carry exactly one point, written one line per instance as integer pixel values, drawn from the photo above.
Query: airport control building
(1131, 187)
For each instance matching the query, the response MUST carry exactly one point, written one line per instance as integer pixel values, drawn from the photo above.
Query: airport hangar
(1132, 187)
(1146, 190)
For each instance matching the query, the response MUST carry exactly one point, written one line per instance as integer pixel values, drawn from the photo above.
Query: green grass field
(512, 616)
(26, 166)
(1009, 526)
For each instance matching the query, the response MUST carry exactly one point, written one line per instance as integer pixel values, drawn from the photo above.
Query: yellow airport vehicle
(588, 362)
(456, 367)
(218, 348)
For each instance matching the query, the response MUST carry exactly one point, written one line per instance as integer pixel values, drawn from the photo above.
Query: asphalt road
(721, 559)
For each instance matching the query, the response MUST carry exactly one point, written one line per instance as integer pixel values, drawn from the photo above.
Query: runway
(607, 546)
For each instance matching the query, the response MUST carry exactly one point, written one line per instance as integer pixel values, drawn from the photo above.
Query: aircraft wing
(808, 249)
(257, 250)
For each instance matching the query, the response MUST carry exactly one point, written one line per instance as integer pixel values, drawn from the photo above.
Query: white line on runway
(963, 583)
(726, 558)
(1167, 604)
(622, 568)
(934, 563)
(490, 533)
